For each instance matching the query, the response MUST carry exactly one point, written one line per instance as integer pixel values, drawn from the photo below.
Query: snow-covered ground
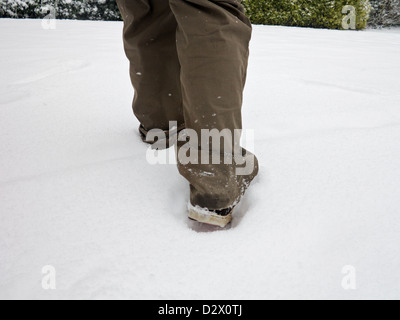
(77, 193)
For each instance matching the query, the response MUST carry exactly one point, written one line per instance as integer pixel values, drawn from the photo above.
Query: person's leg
(150, 45)
(213, 45)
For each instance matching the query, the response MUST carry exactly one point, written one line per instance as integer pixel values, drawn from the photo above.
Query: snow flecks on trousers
(77, 193)
(206, 174)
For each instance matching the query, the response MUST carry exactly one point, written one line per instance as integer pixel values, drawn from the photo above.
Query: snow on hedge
(385, 13)
(63, 9)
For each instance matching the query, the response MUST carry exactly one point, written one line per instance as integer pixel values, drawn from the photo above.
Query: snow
(77, 193)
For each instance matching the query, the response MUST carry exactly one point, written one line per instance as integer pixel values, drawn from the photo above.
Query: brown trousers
(188, 64)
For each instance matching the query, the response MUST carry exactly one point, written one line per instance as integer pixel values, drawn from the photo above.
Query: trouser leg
(150, 45)
(212, 42)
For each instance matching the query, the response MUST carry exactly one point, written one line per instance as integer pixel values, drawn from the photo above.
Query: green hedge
(306, 13)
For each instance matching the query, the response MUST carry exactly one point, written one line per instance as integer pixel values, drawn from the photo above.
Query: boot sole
(210, 218)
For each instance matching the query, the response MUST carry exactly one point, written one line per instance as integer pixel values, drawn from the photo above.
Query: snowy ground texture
(77, 193)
